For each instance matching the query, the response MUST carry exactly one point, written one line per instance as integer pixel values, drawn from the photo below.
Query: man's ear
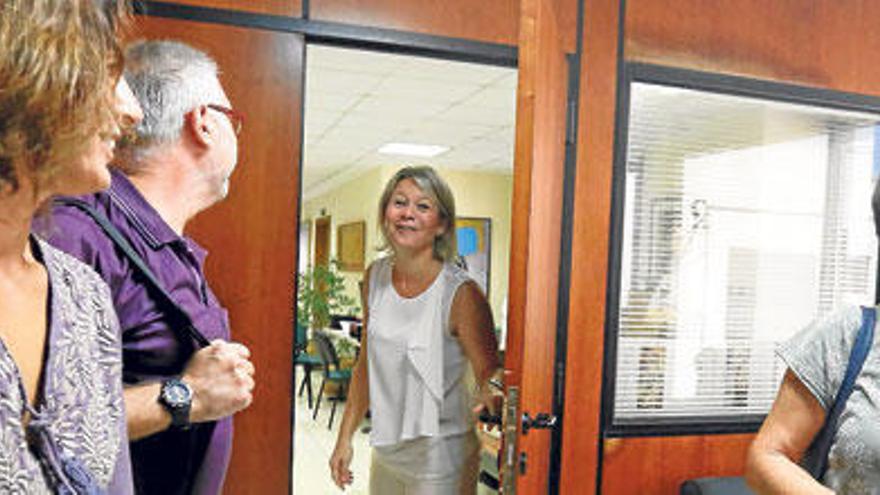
(199, 127)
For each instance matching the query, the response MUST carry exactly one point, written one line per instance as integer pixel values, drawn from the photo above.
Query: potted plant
(321, 294)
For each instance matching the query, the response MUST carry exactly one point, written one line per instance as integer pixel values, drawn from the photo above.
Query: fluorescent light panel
(412, 149)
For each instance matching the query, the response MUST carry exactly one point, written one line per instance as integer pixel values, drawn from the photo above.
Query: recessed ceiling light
(411, 149)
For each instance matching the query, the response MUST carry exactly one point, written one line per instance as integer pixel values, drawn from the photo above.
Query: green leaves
(321, 293)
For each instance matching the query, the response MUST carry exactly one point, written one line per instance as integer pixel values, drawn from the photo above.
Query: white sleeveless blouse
(416, 366)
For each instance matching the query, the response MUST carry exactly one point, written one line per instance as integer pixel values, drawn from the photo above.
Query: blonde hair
(59, 63)
(430, 182)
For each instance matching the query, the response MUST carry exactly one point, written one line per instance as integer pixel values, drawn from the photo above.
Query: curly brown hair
(59, 63)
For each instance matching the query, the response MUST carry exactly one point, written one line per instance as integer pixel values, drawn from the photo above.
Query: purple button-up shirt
(174, 461)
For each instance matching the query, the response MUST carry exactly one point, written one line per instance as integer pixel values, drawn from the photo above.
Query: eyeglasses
(235, 118)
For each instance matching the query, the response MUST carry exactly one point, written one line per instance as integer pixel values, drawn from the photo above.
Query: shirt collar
(143, 217)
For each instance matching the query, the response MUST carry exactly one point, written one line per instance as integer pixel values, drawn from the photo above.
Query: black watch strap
(176, 397)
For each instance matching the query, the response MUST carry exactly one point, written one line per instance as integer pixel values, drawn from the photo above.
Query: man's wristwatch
(176, 397)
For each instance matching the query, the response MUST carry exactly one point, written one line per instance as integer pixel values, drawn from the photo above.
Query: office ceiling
(358, 100)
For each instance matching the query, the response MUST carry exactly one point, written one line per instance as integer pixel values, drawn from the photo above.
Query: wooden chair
(332, 373)
(302, 358)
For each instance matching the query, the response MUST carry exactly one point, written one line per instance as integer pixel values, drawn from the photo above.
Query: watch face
(177, 394)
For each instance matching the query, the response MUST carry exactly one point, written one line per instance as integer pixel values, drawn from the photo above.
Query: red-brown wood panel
(252, 234)
(592, 206)
(494, 21)
(821, 43)
(663, 464)
(537, 213)
(290, 8)
(825, 43)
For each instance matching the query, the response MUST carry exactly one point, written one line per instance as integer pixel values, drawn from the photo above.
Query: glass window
(744, 220)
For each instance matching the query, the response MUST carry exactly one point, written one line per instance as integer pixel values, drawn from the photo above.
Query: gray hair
(169, 79)
(430, 182)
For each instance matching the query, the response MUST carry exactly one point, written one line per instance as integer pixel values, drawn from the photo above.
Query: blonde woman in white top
(427, 323)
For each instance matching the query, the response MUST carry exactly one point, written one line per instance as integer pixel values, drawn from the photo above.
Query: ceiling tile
(348, 82)
(358, 100)
(325, 57)
(476, 115)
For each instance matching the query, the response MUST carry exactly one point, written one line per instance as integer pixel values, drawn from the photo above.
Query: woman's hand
(490, 419)
(490, 400)
(339, 464)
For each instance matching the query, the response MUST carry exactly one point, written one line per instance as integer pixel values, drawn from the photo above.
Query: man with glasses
(184, 379)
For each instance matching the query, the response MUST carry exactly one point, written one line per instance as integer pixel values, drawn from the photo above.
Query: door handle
(485, 416)
(541, 421)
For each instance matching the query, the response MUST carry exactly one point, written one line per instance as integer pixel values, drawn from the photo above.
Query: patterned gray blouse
(818, 355)
(77, 432)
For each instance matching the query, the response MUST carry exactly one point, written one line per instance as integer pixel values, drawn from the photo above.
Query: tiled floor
(313, 443)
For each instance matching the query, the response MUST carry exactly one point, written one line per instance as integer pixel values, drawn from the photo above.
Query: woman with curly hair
(62, 105)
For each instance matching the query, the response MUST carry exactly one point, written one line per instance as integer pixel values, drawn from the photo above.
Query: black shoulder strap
(817, 461)
(120, 242)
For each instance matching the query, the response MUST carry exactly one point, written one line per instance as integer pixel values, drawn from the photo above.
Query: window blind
(744, 220)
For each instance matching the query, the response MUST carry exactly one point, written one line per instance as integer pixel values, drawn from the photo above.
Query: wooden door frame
(539, 253)
(341, 34)
(320, 223)
(562, 310)
(367, 38)
(600, 48)
(448, 49)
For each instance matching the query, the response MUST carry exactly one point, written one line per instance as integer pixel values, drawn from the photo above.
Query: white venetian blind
(744, 220)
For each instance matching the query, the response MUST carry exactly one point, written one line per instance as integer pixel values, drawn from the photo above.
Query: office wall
(581, 462)
(492, 21)
(252, 235)
(820, 43)
(476, 195)
(290, 8)
(353, 201)
(823, 43)
(488, 195)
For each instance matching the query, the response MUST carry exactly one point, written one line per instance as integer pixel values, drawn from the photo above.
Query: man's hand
(222, 380)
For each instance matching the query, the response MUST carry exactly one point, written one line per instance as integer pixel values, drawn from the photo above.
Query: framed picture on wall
(474, 239)
(350, 246)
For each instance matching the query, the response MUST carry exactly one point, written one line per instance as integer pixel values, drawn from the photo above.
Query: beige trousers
(427, 466)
